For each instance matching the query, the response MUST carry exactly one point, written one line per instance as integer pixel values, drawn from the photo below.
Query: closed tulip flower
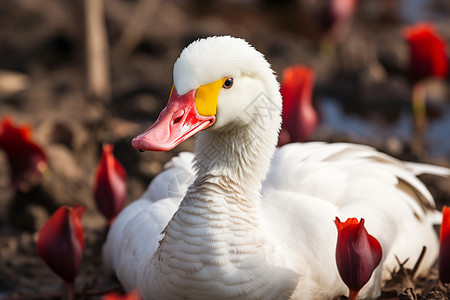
(60, 243)
(444, 250)
(357, 254)
(336, 17)
(427, 59)
(27, 160)
(427, 52)
(110, 191)
(299, 116)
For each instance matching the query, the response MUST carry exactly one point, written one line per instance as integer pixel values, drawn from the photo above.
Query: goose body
(240, 219)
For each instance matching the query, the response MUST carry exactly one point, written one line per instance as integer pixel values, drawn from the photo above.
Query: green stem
(419, 107)
(419, 118)
(327, 49)
(353, 295)
(68, 292)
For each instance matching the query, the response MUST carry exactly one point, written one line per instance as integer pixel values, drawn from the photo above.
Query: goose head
(218, 83)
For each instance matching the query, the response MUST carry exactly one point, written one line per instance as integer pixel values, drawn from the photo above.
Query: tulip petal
(444, 250)
(357, 253)
(60, 242)
(27, 160)
(110, 191)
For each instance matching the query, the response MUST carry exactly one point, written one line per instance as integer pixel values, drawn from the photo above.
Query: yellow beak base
(206, 98)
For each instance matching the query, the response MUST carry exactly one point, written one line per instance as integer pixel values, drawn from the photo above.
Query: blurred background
(82, 73)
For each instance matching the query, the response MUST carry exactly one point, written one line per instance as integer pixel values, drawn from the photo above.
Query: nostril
(176, 120)
(177, 117)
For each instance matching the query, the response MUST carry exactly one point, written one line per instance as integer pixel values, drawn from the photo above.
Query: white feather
(419, 168)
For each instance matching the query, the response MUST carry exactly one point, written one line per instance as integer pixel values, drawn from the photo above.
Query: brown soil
(43, 42)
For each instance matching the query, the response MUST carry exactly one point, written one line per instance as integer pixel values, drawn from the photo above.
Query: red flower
(299, 116)
(133, 295)
(357, 254)
(427, 52)
(60, 242)
(444, 251)
(110, 191)
(27, 160)
(336, 17)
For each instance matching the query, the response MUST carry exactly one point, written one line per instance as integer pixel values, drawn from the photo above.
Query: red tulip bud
(444, 251)
(427, 52)
(110, 191)
(299, 116)
(357, 254)
(60, 242)
(133, 295)
(336, 17)
(27, 160)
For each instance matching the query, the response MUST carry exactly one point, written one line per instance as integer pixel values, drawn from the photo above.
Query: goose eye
(228, 83)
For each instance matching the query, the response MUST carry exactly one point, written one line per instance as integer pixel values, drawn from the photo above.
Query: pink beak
(177, 122)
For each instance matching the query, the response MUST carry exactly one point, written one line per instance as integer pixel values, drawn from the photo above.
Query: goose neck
(239, 155)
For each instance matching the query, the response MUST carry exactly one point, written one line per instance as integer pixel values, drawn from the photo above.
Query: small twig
(408, 294)
(418, 262)
(401, 264)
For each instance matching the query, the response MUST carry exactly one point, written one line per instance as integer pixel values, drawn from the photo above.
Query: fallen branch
(97, 51)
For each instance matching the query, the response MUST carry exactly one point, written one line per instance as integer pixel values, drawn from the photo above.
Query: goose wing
(331, 171)
(355, 181)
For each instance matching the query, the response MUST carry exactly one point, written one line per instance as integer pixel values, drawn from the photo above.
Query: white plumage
(241, 220)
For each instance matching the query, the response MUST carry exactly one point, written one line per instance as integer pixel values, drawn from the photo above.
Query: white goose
(247, 221)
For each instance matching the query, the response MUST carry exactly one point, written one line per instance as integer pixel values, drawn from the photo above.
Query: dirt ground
(43, 82)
